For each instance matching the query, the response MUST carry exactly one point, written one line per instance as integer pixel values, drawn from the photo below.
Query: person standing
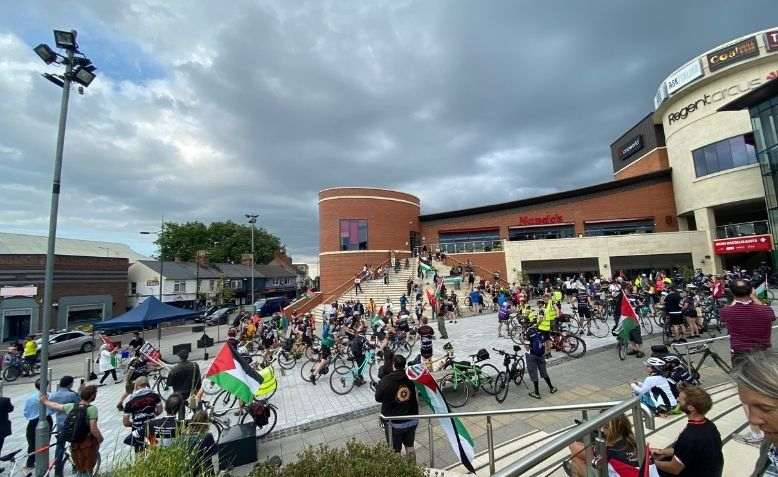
(5, 424)
(136, 342)
(750, 330)
(185, 379)
(85, 450)
(358, 285)
(143, 406)
(63, 395)
(397, 396)
(409, 286)
(536, 361)
(31, 413)
(107, 360)
(439, 312)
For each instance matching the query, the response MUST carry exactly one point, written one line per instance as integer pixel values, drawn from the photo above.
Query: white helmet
(656, 363)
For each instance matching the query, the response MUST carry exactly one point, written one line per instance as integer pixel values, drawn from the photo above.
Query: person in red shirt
(750, 329)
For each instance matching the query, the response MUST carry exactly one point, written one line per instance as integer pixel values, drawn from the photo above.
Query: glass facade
(541, 233)
(764, 118)
(734, 152)
(622, 227)
(353, 234)
(470, 241)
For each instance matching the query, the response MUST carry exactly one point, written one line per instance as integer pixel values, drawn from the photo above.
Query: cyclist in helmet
(655, 391)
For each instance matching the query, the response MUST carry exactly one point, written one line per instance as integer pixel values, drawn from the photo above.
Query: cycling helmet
(656, 363)
(448, 346)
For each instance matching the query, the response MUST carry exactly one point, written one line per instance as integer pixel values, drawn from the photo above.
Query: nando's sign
(541, 220)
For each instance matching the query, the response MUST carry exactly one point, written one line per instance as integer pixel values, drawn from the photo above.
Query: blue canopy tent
(151, 312)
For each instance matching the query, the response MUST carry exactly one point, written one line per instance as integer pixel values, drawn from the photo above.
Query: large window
(727, 154)
(472, 240)
(619, 227)
(353, 234)
(541, 233)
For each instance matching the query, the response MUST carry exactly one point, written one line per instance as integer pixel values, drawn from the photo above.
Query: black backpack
(76, 426)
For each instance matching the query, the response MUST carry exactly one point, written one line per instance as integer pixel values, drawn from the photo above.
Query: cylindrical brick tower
(362, 225)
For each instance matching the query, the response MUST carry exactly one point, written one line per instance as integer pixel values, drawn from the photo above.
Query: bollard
(490, 443)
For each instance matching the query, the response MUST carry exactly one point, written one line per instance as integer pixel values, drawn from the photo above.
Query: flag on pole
(431, 299)
(629, 319)
(429, 392)
(761, 290)
(232, 373)
(424, 267)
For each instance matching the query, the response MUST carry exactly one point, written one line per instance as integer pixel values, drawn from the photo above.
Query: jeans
(59, 453)
(30, 435)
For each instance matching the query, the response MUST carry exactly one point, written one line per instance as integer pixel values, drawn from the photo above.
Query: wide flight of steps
(727, 414)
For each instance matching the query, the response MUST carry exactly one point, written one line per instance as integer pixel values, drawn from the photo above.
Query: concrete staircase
(379, 292)
(727, 414)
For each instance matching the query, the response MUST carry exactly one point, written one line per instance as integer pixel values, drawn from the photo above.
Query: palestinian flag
(761, 290)
(629, 319)
(232, 373)
(431, 299)
(461, 442)
(424, 267)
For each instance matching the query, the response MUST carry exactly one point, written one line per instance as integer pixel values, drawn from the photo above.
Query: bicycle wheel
(518, 371)
(599, 328)
(272, 418)
(573, 346)
(402, 348)
(622, 347)
(659, 319)
(312, 353)
(574, 325)
(501, 387)
(306, 369)
(646, 326)
(487, 376)
(667, 334)
(411, 338)
(456, 392)
(223, 403)
(11, 374)
(210, 388)
(342, 380)
(372, 371)
(286, 360)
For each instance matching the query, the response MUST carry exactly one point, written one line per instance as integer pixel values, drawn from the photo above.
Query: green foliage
(224, 241)
(355, 460)
(179, 460)
(686, 272)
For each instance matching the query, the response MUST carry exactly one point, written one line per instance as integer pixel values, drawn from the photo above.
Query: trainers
(748, 438)
(313, 379)
(552, 389)
(534, 395)
(640, 354)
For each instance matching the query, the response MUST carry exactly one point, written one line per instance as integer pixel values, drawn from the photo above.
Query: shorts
(570, 292)
(267, 343)
(546, 335)
(584, 312)
(325, 352)
(403, 437)
(635, 336)
(675, 319)
(535, 365)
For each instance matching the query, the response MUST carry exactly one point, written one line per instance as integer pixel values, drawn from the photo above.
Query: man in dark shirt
(185, 379)
(397, 396)
(163, 429)
(136, 342)
(697, 451)
(674, 313)
(143, 406)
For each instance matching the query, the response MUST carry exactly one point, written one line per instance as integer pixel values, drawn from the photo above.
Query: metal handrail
(462, 247)
(705, 340)
(584, 431)
(743, 229)
(608, 408)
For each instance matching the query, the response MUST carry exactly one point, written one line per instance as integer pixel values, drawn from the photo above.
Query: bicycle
(464, 375)
(596, 327)
(706, 351)
(158, 380)
(15, 366)
(343, 378)
(514, 371)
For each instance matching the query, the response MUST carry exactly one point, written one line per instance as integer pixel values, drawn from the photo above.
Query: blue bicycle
(344, 377)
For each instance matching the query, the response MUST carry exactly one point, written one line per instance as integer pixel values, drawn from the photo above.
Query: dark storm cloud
(259, 105)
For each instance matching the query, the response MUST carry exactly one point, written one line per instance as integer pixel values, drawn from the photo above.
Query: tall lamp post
(253, 221)
(78, 68)
(161, 270)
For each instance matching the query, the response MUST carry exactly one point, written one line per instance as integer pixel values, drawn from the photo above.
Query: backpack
(76, 426)
(260, 413)
(536, 345)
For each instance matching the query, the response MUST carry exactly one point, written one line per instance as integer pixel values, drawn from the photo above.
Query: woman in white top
(107, 362)
(655, 391)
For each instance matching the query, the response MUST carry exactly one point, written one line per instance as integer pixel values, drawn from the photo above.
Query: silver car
(69, 342)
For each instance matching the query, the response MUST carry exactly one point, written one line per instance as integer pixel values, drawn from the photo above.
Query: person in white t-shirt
(655, 391)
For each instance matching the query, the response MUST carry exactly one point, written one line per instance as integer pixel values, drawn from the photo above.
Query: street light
(65, 40)
(159, 233)
(253, 221)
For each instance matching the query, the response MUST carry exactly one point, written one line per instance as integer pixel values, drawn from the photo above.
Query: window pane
(724, 153)
(739, 154)
(711, 163)
(699, 163)
(353, 234)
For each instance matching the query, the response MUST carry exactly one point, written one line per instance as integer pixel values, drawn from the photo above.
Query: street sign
(8, 292)
(751, 243)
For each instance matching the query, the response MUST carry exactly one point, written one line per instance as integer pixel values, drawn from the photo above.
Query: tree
(224, 241)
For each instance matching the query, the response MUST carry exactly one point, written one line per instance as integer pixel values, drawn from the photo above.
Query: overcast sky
(207, 110)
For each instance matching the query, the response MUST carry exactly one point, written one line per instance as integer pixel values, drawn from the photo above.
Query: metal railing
(744, 229)
(463, 247)
(584, 432)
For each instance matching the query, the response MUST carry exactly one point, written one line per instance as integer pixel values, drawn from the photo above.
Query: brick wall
(389, 222)
(654, 161)
(652, 198)
(73, 276)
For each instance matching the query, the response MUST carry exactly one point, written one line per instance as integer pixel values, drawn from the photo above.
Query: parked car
(268, 306)
(206, 313)
(69, 342)
(220, 316)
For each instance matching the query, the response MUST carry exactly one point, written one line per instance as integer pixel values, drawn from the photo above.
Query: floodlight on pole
(66, 39)
(253, 221)
(83, 76)
(56, 79)
(45, 53)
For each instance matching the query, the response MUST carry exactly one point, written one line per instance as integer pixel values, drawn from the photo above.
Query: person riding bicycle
(502, 317)
(426, 335)
(357, 347)
(267, 333)
(30, 354)
(655, 391)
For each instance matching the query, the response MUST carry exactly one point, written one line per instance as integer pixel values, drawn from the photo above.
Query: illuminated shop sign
(543, 220)
(771, 40)
(733, 54)
(633, 145)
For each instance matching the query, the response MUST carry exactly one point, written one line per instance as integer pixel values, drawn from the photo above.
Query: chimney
(202, 258)
(281, 258)
(245, 259)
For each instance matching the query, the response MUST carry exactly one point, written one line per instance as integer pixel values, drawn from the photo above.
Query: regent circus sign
(715, 97)
(544, 220)
(752, 243)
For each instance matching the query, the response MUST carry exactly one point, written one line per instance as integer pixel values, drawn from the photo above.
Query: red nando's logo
(543, 220)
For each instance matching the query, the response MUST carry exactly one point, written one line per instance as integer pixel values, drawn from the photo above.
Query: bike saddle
(10, 456)
(516, 348)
